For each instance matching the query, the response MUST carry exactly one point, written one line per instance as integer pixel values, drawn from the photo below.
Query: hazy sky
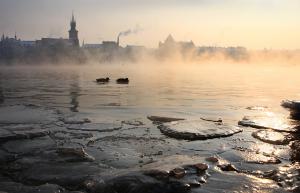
(255, 24)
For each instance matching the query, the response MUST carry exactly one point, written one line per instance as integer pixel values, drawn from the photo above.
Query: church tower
(73, 33)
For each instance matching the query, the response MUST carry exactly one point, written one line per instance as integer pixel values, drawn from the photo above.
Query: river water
(188, 91)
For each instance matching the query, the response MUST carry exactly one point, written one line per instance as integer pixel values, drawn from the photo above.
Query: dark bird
(123, 81)
(102, 80)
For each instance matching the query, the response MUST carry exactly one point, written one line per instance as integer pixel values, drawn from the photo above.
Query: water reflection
(1, 94)
(74, 93)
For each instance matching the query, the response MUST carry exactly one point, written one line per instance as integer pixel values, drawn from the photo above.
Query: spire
(73, 18)
(73, 33)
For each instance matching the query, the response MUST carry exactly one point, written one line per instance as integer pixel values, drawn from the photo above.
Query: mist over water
(182, 89)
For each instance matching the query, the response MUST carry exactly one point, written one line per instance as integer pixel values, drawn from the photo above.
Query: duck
(102, 80)
(122, 80)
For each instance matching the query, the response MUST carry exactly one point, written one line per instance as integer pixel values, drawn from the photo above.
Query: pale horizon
(254, 24)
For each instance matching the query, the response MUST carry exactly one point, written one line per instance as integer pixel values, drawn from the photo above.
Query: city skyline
(253, 24)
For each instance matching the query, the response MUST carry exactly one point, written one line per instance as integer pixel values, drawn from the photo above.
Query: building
(28, 44)
(54, 42)
(73, 32)
(72, 41)
(170, 43)
(170, 47)
(110, 45)
(92, 46)
(9, 42)
(15, 42)
(44, 49)
(10, 48)
(106, 46)
(135, 50)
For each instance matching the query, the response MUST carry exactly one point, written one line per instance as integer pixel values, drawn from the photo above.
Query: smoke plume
(135, 30)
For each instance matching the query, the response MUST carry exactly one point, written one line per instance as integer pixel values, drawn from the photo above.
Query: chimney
(118, 41)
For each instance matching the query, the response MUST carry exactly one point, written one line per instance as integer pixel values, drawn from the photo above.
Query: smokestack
(118, 40)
